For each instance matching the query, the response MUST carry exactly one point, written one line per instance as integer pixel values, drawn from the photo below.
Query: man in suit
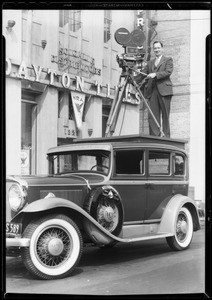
(158, 89)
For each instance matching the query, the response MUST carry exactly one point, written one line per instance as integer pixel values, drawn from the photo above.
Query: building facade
(184, 33)
(62, 73)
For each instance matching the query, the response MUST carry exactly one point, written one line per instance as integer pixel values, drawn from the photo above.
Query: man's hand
(151, 75)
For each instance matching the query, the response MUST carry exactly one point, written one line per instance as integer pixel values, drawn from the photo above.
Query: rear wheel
(55, 247)
(183, 231)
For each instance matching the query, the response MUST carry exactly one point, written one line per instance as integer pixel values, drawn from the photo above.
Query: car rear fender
(91, 226)
(168, 221)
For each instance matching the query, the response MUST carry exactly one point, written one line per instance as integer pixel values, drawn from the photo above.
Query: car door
(159, 184)
(129, 179)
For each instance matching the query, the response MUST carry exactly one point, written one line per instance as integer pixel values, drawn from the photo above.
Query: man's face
(157, 49)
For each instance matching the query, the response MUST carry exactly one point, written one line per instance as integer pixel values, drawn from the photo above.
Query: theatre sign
(71, 82)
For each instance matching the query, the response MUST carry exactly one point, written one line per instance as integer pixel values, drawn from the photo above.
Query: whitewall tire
(183, 231)
(55, 247)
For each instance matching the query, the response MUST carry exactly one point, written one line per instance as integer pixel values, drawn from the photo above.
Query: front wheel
(55, 247)
(183, 231)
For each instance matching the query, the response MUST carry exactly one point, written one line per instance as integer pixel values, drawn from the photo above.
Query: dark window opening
(105, 115)
(129, 162)
(60, 99)
(71, 109)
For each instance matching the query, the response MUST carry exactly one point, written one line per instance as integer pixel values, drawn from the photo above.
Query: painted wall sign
(67, 130)
(75, 62)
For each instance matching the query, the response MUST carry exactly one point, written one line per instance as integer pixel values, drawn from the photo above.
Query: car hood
(54, 180)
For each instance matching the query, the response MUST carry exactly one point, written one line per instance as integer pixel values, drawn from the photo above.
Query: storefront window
(105, 115)
(27, 138)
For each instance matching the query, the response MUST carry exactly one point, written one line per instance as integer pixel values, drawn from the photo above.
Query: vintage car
(100, 191)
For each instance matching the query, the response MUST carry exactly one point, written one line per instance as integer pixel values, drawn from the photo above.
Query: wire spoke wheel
(55, 247)
(183, 231)
(182, 227)
(107, 214)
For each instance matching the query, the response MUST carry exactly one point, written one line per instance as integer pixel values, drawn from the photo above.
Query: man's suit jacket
(163, 71)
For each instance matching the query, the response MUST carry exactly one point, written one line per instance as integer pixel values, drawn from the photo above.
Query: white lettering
(140, 22)
(37, 70)
(80, 83)
(137, 96)
(52, 73)
(108, 90)
(8, 66)
(99, 85)
(65, 80)
(22, 70)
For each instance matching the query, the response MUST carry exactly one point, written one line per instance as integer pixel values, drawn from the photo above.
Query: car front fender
(99, 233)
(168, 221)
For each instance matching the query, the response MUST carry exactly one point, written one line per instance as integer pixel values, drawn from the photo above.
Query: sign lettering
(61, 80)
(75, 62)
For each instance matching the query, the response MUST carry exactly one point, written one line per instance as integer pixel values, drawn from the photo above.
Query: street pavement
(140, 268)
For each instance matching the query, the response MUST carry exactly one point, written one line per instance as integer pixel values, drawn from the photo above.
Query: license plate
(13, 228)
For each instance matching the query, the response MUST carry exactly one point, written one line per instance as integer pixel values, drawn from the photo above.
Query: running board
(129, 234)
(145, 237)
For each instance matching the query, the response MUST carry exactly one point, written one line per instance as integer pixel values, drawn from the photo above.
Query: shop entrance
(28, 137)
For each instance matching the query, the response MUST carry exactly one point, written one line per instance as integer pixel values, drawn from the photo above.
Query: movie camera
(133, 44)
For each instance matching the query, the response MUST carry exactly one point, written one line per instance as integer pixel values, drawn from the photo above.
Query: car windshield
(80, 161)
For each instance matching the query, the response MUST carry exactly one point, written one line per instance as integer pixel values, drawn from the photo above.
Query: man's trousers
(160, 106)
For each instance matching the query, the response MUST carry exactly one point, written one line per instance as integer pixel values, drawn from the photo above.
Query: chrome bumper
(17, 242)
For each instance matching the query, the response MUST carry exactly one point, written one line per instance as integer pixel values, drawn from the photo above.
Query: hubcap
(108, 214)
(182, 227)
(55, 246)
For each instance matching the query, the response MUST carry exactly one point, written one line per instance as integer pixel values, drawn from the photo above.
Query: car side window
(179, 164)
(159, 163)
(129, 162)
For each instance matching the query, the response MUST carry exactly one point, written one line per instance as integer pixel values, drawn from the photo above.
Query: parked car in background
(101, 191)
(200, 208)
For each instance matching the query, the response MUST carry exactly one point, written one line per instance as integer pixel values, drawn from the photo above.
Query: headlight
(16, 197)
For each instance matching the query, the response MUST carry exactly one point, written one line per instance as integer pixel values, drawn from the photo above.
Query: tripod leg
(147, 105)
(112, 107)
(114, 116)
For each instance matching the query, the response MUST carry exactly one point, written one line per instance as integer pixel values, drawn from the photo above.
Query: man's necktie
(157, 61)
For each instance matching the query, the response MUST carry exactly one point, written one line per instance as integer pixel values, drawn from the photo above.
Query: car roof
(140, 138)
(121, 142)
